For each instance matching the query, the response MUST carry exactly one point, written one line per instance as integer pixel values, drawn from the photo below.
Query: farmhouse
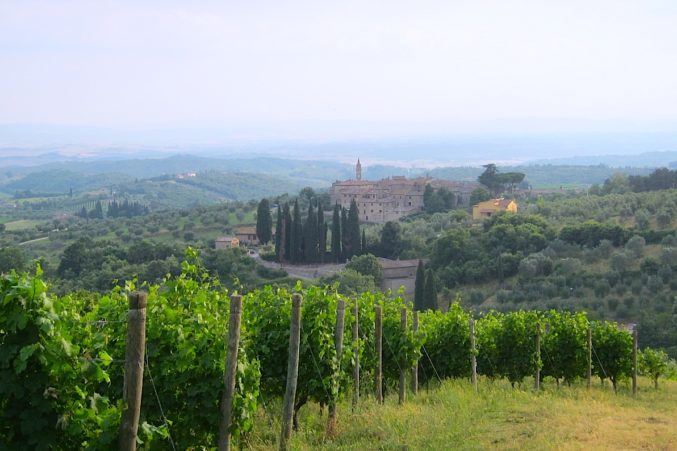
(487, 208)
(397, 273)
(226, 242)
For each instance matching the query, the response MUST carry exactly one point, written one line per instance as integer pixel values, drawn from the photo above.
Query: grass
(498, 417)
(22, 224)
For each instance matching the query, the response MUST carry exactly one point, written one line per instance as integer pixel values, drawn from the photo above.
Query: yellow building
(487, 208)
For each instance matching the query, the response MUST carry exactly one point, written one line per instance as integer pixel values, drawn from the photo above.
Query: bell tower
(358, 170)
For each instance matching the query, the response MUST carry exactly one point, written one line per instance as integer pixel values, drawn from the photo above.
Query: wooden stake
(537, 376)
(414, 369)
(134, 363)
(231, 372)
(292, 372)
(634, 360)
(473, 357)
(589, 357)
(356, 354)
(338, 339)
(378, 325)
(403, 371)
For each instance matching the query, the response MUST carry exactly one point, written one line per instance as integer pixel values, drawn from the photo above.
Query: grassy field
(22, 224)
(498, 417)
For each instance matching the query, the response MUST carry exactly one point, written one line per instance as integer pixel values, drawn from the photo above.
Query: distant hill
(646, 159)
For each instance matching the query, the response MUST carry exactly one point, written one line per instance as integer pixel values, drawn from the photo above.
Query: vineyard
(62, 359)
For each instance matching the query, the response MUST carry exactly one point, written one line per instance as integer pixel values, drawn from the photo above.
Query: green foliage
(447, 343)
(401, 348)
(12, 258)
(564, 345)
(391, 240)
(264, 222)
(479, 195)
(367, 265)
(612, 351)
(48, 393)
(653, 363)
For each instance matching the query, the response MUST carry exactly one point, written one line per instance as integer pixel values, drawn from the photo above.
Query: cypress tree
(296, 234)
(278, 232)
(321, 234)
(363, 246)
(352, 232)
(430, 291)
(345, 236)
(419, 304)
(286, 218)
(264, 222)
(336, 235)
(311, 236)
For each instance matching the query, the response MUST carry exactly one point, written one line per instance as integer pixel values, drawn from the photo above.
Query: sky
(341, 69)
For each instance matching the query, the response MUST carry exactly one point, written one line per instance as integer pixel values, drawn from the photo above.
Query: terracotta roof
(386, 263)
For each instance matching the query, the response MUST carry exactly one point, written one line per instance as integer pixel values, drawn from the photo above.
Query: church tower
(358, 170)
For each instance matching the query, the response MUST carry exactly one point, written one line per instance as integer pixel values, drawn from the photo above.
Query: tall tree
(311, 236)
(353, 231)
(336, 235)
(321, 234)
(278, 233)
(345, 234)
(430, 291)
(264, 222)
(287, 224)
(296, 242)
(363, 245)
(419, 303)
(391, 241)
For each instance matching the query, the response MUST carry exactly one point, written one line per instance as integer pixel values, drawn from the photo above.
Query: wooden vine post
(414, 369)
(473, 356)
(378, 326)
(292, 372)
(589, 357)
(537, 376)
(356, 355)
(230, 373)
(403, 371)
(338, 339)
(634, 360)
(134, 363)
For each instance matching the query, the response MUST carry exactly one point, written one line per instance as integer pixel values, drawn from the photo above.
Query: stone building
(394, 197)
(226, 242)
(399, 273)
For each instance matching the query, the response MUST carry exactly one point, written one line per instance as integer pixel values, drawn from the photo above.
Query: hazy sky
(340, 67)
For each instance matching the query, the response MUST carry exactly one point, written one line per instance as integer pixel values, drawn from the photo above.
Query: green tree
(296, 235)
(479, 195)
(352, 232)
(490, 179)
(613, 351)
(391, 240)
(311, 240)
(430, 291)
(321, 234)
(367, 264)
(336, 235)
(264, 222)
(653, 363)
(278, 233)
(419, 283)
(12, 257)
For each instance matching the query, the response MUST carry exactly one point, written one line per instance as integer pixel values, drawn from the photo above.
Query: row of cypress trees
(300, 240)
